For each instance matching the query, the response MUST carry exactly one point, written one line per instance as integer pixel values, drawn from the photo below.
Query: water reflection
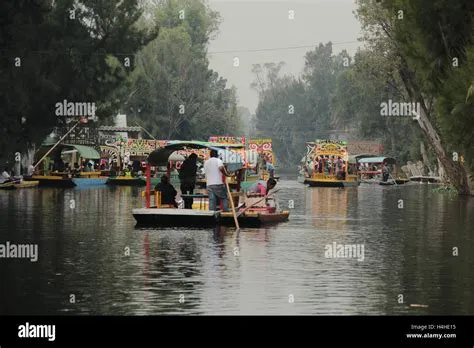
(94, 252)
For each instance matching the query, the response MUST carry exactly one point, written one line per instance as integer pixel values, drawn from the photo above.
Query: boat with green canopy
(50, 154)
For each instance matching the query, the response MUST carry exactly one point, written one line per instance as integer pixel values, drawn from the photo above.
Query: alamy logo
(399, 109)
(75, 109)
(19, 251)
(344, 251)
(37, 331)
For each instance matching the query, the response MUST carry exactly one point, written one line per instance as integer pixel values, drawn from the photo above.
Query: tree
(424, 47)
(73, 50)
(177, 93)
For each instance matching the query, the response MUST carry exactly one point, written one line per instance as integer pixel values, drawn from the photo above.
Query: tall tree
(177, 94)
(73, 50)
(428, 41)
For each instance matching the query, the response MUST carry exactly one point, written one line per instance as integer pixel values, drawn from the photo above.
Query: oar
(232, 205)
(250, 206)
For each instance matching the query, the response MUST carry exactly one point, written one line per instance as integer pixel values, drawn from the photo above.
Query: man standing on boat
(187, 176)
(215, 171)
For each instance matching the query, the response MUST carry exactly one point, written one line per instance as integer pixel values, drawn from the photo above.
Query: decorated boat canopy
(387, 160)
(161, 156)
(327, 148)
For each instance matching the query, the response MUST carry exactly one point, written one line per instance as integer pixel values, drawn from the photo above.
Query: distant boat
(328, 151)
(371, 175)
(425, 179)
(86, 179)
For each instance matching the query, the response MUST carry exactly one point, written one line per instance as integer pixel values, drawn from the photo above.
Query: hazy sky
(254, 25)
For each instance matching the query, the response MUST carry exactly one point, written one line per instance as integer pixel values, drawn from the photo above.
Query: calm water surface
(92, 259)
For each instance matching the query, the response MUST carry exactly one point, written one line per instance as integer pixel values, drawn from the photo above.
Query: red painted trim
(148, 185)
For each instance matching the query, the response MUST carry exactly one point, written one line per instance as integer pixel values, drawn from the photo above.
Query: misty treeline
(415, 51)
(144, 58)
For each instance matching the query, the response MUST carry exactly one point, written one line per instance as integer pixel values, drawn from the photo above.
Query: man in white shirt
(214, 169)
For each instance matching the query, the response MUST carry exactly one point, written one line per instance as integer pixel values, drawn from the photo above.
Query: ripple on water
(274, 270)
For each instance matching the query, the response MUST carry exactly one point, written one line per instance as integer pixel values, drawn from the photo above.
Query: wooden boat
(26, 184)
(401, 181)
(19, 184)
(387, 183)
(126, 181)
(52, 181)
(7, 186)
(425, 179)
(372, 171)
(167, 215)
(325, 151)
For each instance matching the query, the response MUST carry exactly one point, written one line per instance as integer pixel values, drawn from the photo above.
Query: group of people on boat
(329, 165)
(215, 172)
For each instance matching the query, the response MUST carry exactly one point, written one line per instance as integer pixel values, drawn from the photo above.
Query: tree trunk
(454, 170)
(424, 156)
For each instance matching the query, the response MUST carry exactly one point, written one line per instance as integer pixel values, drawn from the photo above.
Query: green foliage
(62, 54)
(176, 95)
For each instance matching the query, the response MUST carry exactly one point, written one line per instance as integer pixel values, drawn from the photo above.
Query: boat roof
(161, 156)
(380, 159)
(87, 152)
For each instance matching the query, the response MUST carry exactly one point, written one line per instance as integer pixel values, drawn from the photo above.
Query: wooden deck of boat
(203, 218)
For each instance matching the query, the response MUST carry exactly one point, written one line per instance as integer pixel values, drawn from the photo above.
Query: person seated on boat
(127, 171)
(261, 188)
(31, 170)
(6, 177)
(168, 192)
(87, 167)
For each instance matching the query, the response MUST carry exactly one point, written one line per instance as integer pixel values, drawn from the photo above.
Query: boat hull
(7, 186)
(130, 181)
(88, 182)
(125, 181)
(425, 179)
(170, 217)
(52, 181)
(387, 183)
(27, 184)
(335, 183)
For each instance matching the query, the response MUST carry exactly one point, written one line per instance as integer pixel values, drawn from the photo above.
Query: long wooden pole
(232, 205)
(51, 149)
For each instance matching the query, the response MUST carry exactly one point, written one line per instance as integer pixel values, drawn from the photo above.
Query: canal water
(413, 254)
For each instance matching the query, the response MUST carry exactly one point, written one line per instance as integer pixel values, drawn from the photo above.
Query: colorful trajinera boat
(67, 153)
(158, 214)
(330, 165)
(63, 180)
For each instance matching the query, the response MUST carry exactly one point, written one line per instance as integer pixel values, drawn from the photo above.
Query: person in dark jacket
(168, 192)
(187, 177)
